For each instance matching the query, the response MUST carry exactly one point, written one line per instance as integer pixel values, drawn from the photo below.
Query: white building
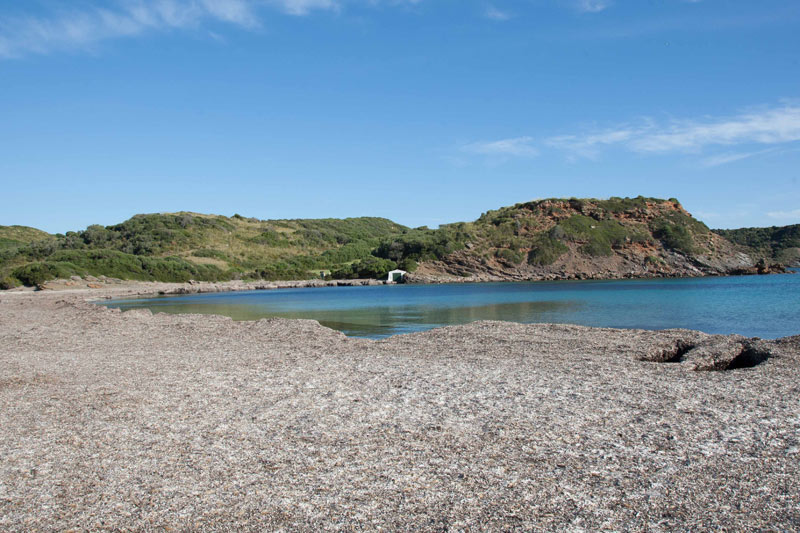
(396, 275)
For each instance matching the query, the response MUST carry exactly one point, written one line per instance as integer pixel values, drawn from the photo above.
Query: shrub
(371, 267)
(598, 236)
(8, 282)
(37, 273)
(210, 252)
(545, 251)
(409, 265)
(675, 237)
(510, 256)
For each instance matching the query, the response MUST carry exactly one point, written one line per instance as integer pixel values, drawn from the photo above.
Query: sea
(756, 306)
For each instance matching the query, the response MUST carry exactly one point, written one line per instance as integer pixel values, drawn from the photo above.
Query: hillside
(16, 236)
(183, 246)
(780, 244)
(544, 239)
(573, 238)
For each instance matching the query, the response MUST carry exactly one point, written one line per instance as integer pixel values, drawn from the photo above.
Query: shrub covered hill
(779, 244)
(546, 239)
(16, 236)
(589, 238)
(184, 246)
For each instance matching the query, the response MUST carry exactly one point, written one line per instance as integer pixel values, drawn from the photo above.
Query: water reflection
(763, 306)
(374, 321)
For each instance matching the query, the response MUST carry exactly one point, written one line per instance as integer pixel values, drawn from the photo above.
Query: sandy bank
(139, 421)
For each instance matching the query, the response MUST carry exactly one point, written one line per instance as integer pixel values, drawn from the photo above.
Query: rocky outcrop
(591, 239)
(710, 353)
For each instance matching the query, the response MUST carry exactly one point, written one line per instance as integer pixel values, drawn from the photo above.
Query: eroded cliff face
(590, 239)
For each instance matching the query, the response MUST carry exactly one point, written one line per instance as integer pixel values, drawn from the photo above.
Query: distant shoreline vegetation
(183, 246)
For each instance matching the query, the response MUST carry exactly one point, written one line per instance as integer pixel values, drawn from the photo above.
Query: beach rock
(671, 351)
(727, 353)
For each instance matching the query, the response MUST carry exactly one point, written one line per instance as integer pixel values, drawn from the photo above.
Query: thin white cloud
(766, 126)
(517, 147)
(731, 157)
(589, 145)
(724, 159)
(493, 13)
(592, 6)
(75, 29)
(23, 33)
(304, 7)
(785, 215)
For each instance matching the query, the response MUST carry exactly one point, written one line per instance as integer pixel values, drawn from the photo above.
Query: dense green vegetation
(598, 236)
(66, 263)
(423, 244)
(16, 236)
(545, 250)
(776, 243)
(183, 246)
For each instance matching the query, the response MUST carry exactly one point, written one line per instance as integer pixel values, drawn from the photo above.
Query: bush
(545, 251)
(675, 237)
(371, 267)
(66, 263)
(211, 253)
(598, 236)
(37, 273)
(510, 256)
(422, 245)
(8, 283)
(409, 265)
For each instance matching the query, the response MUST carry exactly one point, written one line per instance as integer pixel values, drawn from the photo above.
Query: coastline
(141, 421)
(106, 288)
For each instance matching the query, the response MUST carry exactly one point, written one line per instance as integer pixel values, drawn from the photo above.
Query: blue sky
(425, 112)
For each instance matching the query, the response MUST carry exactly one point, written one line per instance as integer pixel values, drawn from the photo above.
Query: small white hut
(396, 275)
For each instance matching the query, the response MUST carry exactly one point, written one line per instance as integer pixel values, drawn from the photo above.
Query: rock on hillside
(587, 239)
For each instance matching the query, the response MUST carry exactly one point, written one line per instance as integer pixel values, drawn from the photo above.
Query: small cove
(762, 306)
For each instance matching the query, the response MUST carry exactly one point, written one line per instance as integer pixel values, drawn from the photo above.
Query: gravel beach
(134, 421)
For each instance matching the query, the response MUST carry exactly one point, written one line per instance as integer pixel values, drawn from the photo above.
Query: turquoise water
(762, 306)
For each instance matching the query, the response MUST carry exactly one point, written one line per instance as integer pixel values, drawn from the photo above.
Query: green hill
(183, 246)
(544, 239)
(777, 243)
(565, 238)
(16, 236)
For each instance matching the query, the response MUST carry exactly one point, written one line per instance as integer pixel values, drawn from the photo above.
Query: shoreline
(140, 421)
(111, 287)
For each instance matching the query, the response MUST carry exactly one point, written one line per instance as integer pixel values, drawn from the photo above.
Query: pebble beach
(134, 421)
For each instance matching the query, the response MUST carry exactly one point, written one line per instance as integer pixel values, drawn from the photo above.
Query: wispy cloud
(592, 6)
(771, 127)
(785, 215)
(303, 7)
(496, 14)
(765, 126)
(517, 147)
(69, 27)
(731, 157)
(74, 29)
